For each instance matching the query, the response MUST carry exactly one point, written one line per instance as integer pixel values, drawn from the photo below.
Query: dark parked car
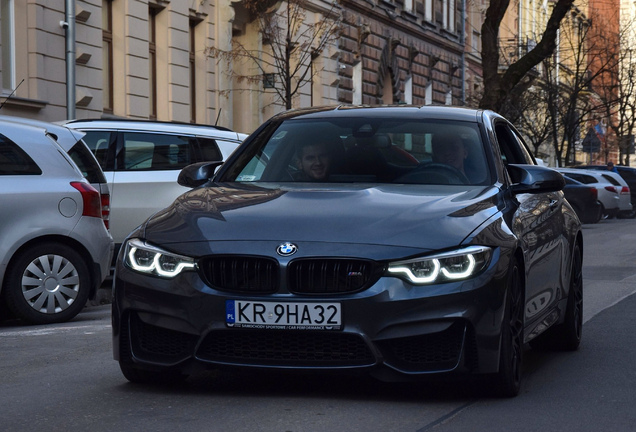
(402, 242)
(583, 199)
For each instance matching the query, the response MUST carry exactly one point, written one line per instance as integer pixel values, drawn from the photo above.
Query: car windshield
(343, 150)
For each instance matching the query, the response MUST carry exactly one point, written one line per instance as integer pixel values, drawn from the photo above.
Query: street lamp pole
(69, 27)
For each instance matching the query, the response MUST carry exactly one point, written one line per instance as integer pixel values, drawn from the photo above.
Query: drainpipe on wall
(463, 45)
(69, 27)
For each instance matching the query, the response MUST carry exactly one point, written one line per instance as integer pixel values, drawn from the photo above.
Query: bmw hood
(422, 217)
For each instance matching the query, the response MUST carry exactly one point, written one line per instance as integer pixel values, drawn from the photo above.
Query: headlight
(145, 258)
(455, 265)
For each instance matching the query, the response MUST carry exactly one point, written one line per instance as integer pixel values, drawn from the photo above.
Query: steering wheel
(434, 173)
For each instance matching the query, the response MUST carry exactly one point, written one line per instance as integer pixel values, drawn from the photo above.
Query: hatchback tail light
(625, 190)
(91, 199)
(594, 193)
(611, 189)
(106, 210)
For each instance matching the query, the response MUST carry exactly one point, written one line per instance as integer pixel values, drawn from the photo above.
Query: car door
(538, 223)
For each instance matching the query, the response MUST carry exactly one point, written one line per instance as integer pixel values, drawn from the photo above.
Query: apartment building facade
(150, 59)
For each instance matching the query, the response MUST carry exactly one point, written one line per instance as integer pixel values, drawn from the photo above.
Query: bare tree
(290, 43)
(534, 119)
(499, 86)
(563, 98)
(617, 91)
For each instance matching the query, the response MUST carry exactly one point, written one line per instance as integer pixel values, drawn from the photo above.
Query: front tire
(508, 379)
(47, 283)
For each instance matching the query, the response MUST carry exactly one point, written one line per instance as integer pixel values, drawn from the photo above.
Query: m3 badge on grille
(286, 249)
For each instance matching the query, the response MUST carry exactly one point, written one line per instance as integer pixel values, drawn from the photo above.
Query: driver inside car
(313, 162)
(449, 149)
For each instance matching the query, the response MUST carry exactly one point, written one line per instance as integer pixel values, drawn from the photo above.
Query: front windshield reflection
(357, 150)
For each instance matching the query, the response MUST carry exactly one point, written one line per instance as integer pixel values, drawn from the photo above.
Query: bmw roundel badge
(286, 249)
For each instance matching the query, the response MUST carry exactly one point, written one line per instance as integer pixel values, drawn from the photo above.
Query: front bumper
(392, 330)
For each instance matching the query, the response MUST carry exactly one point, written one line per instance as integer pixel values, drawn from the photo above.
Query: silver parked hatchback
(55, 250)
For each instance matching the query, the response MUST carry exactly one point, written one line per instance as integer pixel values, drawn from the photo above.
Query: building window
(357, 84)
(448, 10)
(316, 66)
(8, 46)
(107, 55)
(408, 90)
(152, 62)
(428, 10)
(449, 97)
(408, 5)
(428, 95)
(269, 80)
(475, 44)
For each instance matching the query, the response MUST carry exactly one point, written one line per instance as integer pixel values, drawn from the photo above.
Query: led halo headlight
(148, 259)
(444, 267)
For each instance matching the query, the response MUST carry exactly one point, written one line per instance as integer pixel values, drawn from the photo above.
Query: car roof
(597, 174)
(412, 111)
(155, 126)
(64, 136)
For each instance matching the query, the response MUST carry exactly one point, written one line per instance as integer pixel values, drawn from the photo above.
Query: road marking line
(88, 329)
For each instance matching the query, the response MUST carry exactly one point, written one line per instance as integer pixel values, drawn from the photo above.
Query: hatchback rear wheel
(47, 283)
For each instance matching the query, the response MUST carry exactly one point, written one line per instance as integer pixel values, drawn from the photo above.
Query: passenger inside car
(449, 149)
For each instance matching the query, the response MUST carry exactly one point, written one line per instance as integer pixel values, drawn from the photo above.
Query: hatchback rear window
(14, 160)
(87, 164)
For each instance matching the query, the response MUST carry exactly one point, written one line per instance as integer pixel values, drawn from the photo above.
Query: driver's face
(315, 161)
(451, 153)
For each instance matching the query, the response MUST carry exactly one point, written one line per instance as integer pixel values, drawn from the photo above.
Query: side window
(209, 150)
(512, 148)
(153, 152)
(583, 178)
(99, 143)
(611, 179)
(523, 149)
(14, 160)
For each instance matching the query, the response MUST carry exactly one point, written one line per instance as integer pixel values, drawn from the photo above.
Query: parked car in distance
(142, 159)
(400, 241)
(626, 173)
(55, 250)
(583, 199)
(608, 195)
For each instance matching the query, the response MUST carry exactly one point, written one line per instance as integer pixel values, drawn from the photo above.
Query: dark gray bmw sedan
(403, 242)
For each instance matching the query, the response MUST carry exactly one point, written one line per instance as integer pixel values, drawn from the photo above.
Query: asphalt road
(62, 378)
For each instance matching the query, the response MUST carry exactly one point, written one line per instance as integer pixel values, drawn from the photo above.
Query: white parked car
(142, 160)
(55, 249)
(613, 192)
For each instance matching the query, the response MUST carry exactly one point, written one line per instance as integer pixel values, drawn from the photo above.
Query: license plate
(284, 316)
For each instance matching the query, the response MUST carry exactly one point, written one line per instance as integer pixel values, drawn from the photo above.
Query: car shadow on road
(342, 386)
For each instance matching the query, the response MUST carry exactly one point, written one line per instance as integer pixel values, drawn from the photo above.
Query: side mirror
(198, 173)
(535, 179)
